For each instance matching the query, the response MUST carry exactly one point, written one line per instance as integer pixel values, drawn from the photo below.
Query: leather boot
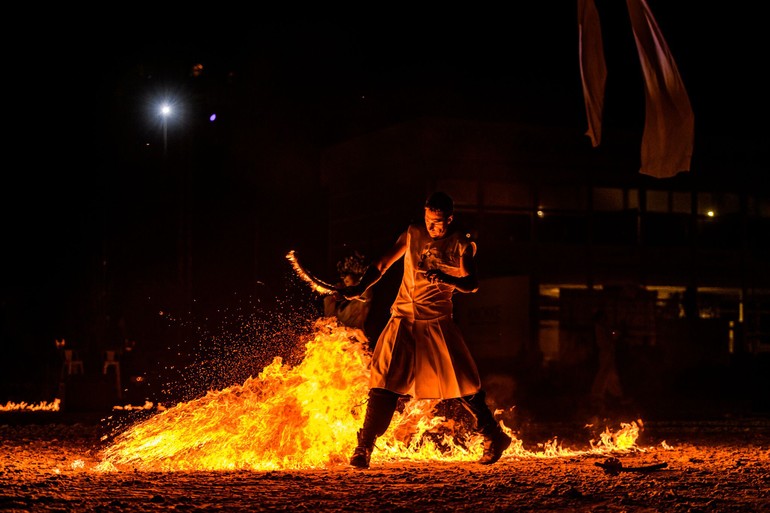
(495, 439)
(379, 412)
(363, 451)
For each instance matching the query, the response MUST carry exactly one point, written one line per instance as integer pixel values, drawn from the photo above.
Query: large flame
(304, 417)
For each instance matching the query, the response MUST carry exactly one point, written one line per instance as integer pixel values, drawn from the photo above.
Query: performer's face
(436, 223)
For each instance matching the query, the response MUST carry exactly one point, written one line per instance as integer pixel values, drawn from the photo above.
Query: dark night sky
(78, 178)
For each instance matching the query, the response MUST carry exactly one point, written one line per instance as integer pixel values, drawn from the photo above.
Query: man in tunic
(421, 352)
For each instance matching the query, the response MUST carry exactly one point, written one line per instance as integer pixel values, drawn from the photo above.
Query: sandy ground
(710, 466)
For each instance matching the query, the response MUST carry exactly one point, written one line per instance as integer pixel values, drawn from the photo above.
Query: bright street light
(165, 112)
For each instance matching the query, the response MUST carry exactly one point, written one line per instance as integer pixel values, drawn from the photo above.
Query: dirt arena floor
(679, 466)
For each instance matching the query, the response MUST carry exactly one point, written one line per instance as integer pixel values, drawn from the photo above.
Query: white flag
(593, 69)
(667, 141)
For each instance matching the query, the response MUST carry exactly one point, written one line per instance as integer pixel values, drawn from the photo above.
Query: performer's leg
(379, 412)
(495, 439)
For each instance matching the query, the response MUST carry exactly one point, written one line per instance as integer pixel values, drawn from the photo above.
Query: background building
(680, 265)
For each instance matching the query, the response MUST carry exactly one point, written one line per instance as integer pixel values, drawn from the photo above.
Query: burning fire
(305, 417)
(316, 284)
(23, 406)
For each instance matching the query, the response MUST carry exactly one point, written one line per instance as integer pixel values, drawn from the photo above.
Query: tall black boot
(379, 412)
(495, 439)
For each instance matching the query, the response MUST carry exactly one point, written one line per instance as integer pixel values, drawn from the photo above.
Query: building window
(665, 230)
(615, 227)
(561, 228)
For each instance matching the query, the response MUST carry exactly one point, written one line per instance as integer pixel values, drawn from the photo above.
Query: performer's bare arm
(377, 268)
(469, 282)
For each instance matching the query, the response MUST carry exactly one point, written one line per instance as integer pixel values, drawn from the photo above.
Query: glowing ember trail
(306, 417)
(316, 284)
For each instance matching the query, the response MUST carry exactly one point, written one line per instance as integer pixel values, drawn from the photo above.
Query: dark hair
(440, 202)
(354, 265)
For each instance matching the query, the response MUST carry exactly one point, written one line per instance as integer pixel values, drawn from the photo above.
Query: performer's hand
(436, 276)
(350, 293)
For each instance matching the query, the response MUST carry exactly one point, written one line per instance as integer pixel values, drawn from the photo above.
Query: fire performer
(421, 352)
(351, 313)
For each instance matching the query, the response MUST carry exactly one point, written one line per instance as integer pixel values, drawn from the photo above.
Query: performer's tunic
(421, 351)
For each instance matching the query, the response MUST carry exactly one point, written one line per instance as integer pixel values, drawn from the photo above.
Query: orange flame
(24, 406)
(301, 417)
(317, 285)
(623, 439)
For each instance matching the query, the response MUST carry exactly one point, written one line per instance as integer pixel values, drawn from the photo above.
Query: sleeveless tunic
(421, 351)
